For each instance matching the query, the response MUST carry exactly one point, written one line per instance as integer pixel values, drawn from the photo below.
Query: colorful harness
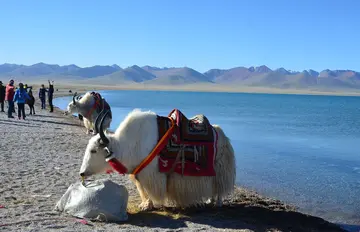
(121, 169)
(97, 105)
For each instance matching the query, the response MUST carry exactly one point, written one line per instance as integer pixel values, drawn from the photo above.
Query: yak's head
(72, 105)
(94, 161)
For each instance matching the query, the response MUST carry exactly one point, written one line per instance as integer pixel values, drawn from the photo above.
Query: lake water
(300, 149)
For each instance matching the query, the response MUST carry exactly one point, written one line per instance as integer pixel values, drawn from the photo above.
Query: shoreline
(210, 89)
(42, 156)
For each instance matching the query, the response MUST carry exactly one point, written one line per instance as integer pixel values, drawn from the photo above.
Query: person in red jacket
(9, 97)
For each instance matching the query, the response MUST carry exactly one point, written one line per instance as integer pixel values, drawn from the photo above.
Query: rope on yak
(159, 146)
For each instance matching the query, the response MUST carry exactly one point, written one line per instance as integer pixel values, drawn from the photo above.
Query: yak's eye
(93, 151)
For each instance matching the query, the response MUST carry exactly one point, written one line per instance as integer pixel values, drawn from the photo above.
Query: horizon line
(165, 67)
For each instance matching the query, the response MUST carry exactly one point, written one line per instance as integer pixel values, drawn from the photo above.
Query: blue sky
(297, 35)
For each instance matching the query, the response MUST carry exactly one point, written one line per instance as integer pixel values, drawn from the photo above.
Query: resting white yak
(131, 143)
(89, 106)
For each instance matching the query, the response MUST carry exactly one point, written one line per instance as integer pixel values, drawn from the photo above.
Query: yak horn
(96, 124)
(102, 134)
(74, 98)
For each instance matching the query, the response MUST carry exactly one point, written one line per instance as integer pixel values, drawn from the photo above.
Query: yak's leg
(216, 201)
(146, 203)
(87, 125)
(87, 131)
(140, 189)
(93, 128)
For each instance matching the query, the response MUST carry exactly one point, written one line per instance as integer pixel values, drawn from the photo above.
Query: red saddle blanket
(192, 147)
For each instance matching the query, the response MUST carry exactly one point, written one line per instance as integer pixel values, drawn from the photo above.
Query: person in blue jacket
(20, 97)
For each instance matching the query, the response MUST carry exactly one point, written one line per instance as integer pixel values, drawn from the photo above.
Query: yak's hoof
(146, 205)
(215, 202)
(219, 204)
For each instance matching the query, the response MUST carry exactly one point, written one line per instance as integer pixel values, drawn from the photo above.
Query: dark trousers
(21, 110)
(2, 106)
(32, 109)
(43, 103)
(10, 108)
(50, 104)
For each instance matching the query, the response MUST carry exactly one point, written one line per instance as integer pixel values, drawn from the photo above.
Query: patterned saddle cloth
(191, 149)
(100, 104)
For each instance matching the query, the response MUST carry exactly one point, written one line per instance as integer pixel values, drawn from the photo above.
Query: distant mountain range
(261, 76)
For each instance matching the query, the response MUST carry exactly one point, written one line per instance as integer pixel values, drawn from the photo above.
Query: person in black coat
(31, 102)
(2, 96)
(50, 95)
(42, 94)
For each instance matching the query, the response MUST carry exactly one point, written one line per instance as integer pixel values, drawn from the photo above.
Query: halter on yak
(114, 162)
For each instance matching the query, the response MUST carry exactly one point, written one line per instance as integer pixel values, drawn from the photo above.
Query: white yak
(131, 143)
(89, 106)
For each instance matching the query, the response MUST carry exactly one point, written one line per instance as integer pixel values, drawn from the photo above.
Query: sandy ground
(41, 157)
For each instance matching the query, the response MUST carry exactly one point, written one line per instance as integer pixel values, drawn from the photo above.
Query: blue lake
(304, 150)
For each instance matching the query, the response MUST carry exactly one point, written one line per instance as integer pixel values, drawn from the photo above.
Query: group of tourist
(23, 95)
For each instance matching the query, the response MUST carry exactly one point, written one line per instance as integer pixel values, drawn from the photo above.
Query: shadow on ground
(59, 123)
(235, 217)
(45, 116)
(245, 210)
(15, 122)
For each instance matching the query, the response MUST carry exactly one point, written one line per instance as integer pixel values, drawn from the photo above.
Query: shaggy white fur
(83, 106)
(134, 139)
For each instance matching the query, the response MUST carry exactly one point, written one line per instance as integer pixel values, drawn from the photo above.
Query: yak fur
(83, 106)
(134, 139)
